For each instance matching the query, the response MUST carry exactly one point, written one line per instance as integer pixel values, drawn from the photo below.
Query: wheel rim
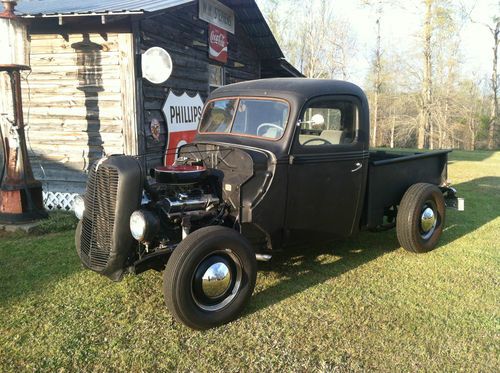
(428, 220)
(217, 280)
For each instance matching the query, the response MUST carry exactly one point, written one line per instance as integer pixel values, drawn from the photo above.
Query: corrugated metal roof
(49, 7)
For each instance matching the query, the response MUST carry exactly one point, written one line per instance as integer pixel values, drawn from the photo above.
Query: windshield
(265, 118)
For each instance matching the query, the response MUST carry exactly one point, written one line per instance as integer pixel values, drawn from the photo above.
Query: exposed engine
(126, 217)
(179, 199)
(130, 221)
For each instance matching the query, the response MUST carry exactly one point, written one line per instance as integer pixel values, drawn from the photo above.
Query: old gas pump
(21, 198)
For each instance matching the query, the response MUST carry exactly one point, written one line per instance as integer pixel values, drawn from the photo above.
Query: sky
(401, 26)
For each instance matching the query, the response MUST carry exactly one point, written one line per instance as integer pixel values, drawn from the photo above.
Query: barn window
(216, 76)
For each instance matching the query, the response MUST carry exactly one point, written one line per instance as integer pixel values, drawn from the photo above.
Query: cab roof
(299, 89)
(297, 92)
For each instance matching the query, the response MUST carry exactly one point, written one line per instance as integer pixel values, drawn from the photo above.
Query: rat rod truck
(275, 162)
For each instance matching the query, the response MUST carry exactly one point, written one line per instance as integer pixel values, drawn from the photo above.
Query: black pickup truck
(276, 162)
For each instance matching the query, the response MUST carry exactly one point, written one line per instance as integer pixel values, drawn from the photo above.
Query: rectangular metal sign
(217, 14)
(217, 43)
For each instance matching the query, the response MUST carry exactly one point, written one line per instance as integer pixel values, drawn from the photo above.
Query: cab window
(328, 122)
(265, 118)
(218, 116)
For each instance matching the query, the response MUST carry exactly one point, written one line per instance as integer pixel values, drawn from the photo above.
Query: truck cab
(315, 140)
(275, 163)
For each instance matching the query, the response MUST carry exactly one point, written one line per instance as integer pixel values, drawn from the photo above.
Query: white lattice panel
(59, 201)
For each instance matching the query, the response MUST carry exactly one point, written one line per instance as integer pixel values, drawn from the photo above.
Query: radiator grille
(99, 219)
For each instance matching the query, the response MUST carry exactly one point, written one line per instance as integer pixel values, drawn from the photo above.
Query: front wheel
(209, 277)
(420, 218)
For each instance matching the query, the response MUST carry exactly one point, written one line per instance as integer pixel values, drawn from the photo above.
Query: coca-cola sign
(217, 43)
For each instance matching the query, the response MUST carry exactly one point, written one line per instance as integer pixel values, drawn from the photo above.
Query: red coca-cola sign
(217, 43)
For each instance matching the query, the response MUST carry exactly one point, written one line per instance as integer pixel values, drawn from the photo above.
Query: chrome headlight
(79, 207)
(144, 225)
(138, 225)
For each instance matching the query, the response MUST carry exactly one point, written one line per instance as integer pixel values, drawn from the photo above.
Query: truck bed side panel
(389, 178)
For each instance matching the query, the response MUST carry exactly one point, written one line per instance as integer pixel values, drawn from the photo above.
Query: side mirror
(317, 120)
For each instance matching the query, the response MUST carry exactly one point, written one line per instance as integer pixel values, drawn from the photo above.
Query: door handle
(358, 166)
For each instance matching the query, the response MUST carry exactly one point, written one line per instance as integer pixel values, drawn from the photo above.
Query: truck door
(327, 170)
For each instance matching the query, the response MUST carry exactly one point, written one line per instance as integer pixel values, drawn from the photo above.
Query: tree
(378, 80)
(326, 44)
(440, 70)
(319, 43)
(495, 30)
(425, 125)
(419, 94)
(377, 67)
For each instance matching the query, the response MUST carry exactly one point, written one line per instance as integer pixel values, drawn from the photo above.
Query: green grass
(363, 304)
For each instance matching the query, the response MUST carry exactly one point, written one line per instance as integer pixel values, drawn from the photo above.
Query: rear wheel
(420, 218)
(210, 277)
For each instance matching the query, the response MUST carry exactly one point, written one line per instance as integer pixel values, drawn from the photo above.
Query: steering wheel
(272, 125)
(324, 141)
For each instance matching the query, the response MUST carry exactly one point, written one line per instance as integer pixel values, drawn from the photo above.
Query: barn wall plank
(73, 103)
(86, 96)
(128, 94)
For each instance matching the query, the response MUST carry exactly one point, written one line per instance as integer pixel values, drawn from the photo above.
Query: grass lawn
(362, 304)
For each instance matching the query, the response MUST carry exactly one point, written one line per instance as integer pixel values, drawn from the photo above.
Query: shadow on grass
(31, 264)
(302, 268)
(482, 201)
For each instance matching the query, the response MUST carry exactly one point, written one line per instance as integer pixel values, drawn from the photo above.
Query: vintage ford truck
(275, 162)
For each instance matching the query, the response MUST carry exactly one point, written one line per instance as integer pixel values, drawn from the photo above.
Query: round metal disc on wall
(156, 65)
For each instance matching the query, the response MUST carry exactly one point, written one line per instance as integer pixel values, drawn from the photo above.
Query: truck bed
(390, 174)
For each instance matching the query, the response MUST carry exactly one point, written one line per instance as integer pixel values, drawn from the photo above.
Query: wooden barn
(87, 94)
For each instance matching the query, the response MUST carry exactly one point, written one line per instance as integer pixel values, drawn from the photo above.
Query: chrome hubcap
(427, 222)
(216, 280)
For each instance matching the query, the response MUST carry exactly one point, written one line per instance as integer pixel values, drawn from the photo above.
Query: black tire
(183, 287)
(413, 233)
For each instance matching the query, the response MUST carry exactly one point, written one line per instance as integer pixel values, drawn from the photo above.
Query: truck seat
(303, 138)
(332, 136)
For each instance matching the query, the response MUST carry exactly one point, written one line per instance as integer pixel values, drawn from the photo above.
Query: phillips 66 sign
(182, 114)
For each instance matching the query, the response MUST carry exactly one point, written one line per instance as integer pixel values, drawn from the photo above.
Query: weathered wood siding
(185, 37)
(78, 105)
(85, 98)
